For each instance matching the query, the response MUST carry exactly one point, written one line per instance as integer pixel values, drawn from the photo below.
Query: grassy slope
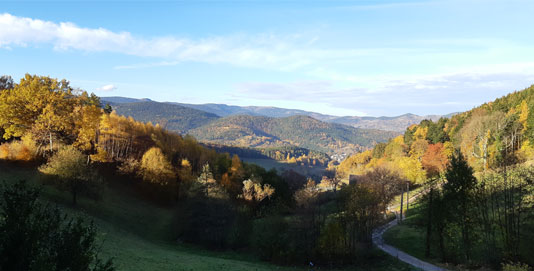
(134, 232)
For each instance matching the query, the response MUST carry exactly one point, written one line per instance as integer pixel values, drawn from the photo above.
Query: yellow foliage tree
(418, 148)
(420, 133)
(155, 167)
(411, 169)
(87, 124)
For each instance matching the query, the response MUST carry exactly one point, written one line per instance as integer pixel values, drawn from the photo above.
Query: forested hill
(490, 136)
(173, 117)
(301, 131)
(395, 123)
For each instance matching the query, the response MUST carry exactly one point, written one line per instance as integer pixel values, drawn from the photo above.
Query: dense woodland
(476, 171)
(81, 146)
(300, 131)
(172, 117)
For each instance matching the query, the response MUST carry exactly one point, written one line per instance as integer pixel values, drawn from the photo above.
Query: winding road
(378, 241)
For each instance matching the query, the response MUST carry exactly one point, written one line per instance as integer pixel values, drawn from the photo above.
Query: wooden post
(407, 196)
(402, 202)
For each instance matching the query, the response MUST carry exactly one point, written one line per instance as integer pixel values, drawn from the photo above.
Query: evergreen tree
(459, 198)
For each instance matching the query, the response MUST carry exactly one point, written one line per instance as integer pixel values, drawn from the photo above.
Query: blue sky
(335, 57)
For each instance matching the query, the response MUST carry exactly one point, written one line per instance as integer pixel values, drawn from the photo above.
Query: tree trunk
(51, 146)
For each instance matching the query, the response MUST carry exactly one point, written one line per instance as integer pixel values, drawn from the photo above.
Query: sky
(363, 58)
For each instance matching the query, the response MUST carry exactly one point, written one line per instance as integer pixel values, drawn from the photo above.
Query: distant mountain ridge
(254, 131)
(173, 117)
(395, 123)
(301, 131)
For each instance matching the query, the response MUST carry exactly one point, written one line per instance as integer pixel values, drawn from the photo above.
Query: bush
(515, 267)
(206, 222)
(18, 150)
(34, 236)
(269, 239)
(70, 171)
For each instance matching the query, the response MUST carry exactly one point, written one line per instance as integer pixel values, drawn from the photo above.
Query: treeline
(476, 221)
(44, 119)
(490, 136)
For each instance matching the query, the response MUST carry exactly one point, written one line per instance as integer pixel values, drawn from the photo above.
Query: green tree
(6, 82)
(459, 195)
(70, 168)
(108, 109)
(436, 131)
(34, 236)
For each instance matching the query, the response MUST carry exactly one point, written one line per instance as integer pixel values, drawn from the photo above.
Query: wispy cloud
(269, 51)
(109, 87)
(437, 93)
(146, 65)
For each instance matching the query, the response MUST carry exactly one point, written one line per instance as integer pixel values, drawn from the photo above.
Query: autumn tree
(434, 160)
(387, 182)
(38, 104)
(87, 121)
(232, 180)
(363, 208)
(72, 172)
(254, 191)
(156, 168)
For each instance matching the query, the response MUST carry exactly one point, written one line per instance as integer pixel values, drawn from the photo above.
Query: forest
(83, 148)
(477, 174)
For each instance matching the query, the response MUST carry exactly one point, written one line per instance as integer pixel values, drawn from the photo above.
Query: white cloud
(268, 51)
(109, 87)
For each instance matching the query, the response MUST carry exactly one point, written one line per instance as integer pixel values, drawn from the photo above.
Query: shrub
(34, 236)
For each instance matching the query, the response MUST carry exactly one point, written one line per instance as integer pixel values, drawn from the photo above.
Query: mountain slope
(301, 131)
(396, 123)
(173, 117)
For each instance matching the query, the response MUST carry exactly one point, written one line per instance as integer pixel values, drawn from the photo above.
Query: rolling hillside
(301, 131)
(396, 123)
(173, 117)
(252, 130)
